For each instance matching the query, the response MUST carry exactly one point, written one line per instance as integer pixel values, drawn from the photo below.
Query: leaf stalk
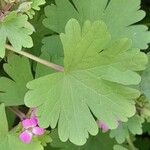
(37, 59)
(131, 145)
(18, 113)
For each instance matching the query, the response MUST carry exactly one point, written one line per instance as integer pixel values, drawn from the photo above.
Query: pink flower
(103, 126)
(30, 129)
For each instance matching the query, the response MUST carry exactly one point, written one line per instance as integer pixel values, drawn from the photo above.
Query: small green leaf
(17, 30)
(35, 5)
(134, 126)
(13, 90)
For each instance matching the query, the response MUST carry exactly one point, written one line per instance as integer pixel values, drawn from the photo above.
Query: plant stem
(37, 59)
(16, 111)
(131, 145)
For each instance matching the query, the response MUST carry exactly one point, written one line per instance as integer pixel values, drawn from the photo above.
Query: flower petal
(26, 137)
(34, 121)
(28, 123)
(38, 131)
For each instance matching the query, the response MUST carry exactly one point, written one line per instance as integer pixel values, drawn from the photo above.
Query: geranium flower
(30, 129)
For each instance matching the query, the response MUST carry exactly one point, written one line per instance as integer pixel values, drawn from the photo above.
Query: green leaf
(13, 90)
(10, 140)
(42, 70)
(35, 5)
(145, 83)
(40, 32)
(94, 79)
(134, 126)
(119, 16)
(53, 46)
(17, 30)
(11, 117)
(119, 147)
(52, 51)
(93, 143)
(3, 122)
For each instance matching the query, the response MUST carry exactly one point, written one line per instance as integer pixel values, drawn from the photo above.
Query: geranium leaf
(145, 83)
(52, 50)
(134, 126)
(93, 143)
(13, 90)
(35, 5)
(119, 16)
(3, 122)
(92, 81)
(15, 27)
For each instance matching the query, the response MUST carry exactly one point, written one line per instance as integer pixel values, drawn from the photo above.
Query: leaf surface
(35, 5)
(119, 147)
(145, 83)
(13, 90)
(134, 126)
(17, 30)
(93, 143)
(92, 82)
(119, 16)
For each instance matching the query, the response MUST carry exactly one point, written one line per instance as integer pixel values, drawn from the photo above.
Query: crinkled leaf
(119, 16)
(17, 30)
(14, 89)
(94, 80)
(134, 126)
(10, 141)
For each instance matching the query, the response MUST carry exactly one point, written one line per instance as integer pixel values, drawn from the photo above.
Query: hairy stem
(16, 111)
(131, 145)
(37, 59)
